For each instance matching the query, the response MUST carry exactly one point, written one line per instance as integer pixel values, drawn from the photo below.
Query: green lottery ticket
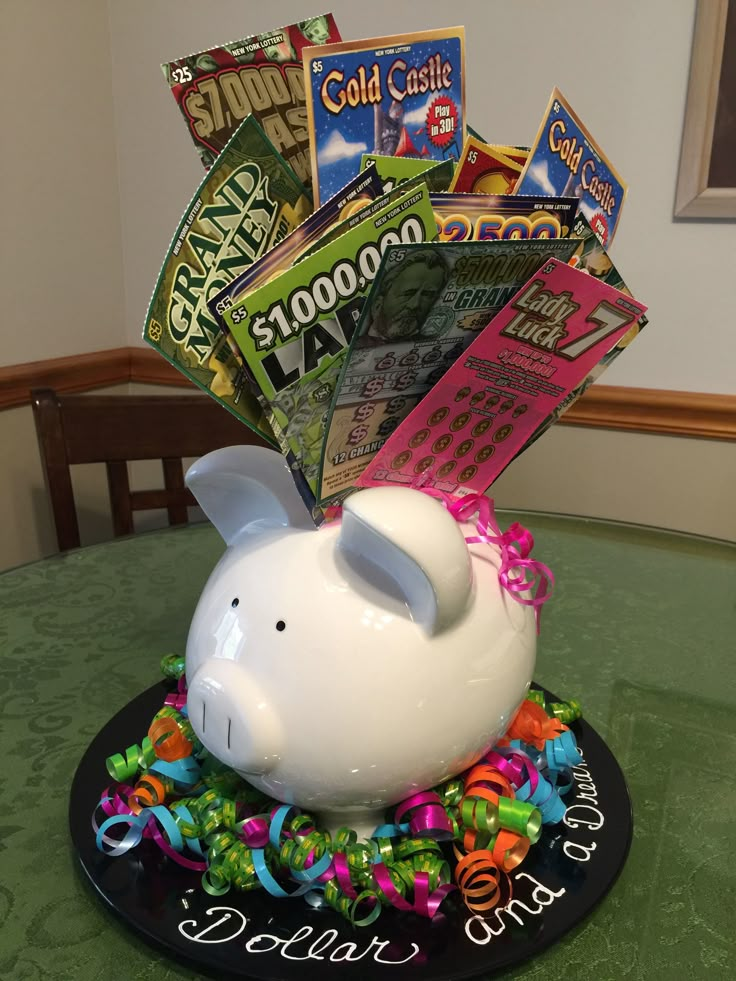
(248, 202)
(294, 330)
(396, 170)
(428, 303)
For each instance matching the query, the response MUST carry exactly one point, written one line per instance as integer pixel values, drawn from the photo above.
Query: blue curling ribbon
(267, 880)
(185, 772)
(277, 823)
(137, 824)
(562, 780)
(546, 798)
(390, 831)
(314, 871)
(562, 751)
(316, 896)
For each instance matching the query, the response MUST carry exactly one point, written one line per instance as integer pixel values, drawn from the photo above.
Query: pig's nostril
(229, 724)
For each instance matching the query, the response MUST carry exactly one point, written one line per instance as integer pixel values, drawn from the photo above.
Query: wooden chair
(113, 429)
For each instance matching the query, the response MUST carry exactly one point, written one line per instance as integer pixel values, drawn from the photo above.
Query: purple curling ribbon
(429, 819)
(178, 699)
(518, 573)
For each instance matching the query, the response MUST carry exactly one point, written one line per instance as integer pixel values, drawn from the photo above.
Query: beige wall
(101, 169)
(61, 261)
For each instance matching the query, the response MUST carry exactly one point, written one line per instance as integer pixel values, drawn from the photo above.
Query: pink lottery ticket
(519, 369)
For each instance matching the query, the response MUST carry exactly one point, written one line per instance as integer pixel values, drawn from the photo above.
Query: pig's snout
(233, 718)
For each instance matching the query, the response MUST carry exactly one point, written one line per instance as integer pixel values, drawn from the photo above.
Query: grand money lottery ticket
(516, 372)
(261, 76)
(294, 330)
(427, 305)
(249, 200)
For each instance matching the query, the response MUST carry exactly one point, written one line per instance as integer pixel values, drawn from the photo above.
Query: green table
(642, 628)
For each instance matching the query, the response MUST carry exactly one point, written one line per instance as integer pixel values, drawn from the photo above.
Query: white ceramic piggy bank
(346, 668)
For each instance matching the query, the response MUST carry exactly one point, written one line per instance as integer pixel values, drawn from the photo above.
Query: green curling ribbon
(343, 838)
(218, 843)
(172, 666)
(404, 847)
(337, 900)
(384, 850)
(566, 712)
(476, 812)
(312, 843)
(520, 817)
(451, 793)
(238, 865)
(215, 881)
(125, 767)
(437, 869)
(374, 912)
(302, 824)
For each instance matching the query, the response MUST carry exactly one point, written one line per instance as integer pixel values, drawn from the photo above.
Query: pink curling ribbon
(178, 699)
(518, 573)
(425, 903)
(254, 832)
(429, 819)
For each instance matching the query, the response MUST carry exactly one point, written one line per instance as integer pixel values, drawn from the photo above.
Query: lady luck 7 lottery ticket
(480, 415)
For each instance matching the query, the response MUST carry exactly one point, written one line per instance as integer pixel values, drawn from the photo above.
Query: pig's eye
(235, 602)
(280, 625)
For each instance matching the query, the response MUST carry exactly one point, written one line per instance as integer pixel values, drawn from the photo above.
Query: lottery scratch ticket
(367, 209)
(482, 169)
(294, 330)
(511, 378)
(362, 188)
(396, 170)
(249, 200)
(565, 159)
(261, 76)
(427, 305)
(486, 217)
(398, 96)
(591, 257)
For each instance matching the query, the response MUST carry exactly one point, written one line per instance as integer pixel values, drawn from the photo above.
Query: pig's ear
(413, 539)
(243, 489)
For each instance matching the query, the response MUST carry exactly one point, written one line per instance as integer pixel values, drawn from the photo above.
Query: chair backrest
(113, 429)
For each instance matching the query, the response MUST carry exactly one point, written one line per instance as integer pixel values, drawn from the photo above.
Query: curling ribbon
(429, 818)
(494, 812)
(532, 725)
(518, 573)
(178, 699)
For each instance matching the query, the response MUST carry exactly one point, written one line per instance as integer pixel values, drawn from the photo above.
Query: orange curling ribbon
(148, 792)
(510, 849)
(169, 742)
(479, 879)
(532, 725)
(490, 778)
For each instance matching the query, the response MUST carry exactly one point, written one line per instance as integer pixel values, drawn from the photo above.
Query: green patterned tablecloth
(642, 629)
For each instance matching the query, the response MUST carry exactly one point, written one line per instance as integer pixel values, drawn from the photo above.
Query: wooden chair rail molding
(643, 410)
